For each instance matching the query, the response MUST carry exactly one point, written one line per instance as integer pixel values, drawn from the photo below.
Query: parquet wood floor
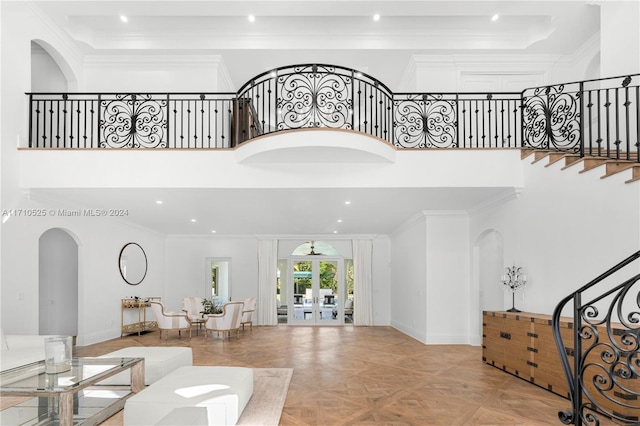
(369, 375)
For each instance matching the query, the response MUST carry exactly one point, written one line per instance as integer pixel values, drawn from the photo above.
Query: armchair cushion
(229, 319)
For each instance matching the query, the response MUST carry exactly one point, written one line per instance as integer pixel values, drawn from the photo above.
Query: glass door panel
(313, 292)
(302, 300)
(328, 290)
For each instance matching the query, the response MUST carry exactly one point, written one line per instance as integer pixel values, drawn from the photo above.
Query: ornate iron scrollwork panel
(551, 118)
(133, 121)
(610, 365)
(424, 121)
(314, 96)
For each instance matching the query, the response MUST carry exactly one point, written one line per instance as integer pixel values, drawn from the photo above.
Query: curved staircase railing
(595, 117)
(604, 373)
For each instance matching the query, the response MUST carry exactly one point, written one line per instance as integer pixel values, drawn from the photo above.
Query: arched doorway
(50, 72)
(58, 283)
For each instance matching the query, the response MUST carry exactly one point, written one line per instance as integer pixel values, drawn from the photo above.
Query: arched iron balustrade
(594, 117)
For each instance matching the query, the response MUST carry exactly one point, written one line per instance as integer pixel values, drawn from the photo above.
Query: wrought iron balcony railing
(596, 117)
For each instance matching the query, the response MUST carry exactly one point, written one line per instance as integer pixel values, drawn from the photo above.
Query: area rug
(270, 386)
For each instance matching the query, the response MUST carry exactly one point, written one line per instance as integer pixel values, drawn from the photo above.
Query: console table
(68, 398)
(142, 324)
(522, 344)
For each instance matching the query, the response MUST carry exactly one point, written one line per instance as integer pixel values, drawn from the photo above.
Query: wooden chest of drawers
(522, 344)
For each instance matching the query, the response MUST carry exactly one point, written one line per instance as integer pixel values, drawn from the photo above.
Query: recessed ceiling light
(339, 220)
(124, 18)
(159, 202)
(213, 232)
(495, 17)
(335, 232)
(251, 18)
(347, 202)
(376, 17)
(193, 220)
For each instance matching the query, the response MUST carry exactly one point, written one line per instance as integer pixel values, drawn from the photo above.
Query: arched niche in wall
(50, 72)
(58, 283)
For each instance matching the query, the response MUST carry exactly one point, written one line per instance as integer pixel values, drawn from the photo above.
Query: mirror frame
(146, 263)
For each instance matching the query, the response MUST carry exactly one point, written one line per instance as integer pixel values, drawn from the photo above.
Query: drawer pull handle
(534, 335)
(505, 335)
(533, 364)
(530, 349)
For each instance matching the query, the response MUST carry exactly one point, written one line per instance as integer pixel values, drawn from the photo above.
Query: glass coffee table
(73, 397)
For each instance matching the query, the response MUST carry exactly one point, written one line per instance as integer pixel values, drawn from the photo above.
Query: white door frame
(315, 277)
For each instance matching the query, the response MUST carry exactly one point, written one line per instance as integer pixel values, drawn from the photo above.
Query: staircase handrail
(575, 380)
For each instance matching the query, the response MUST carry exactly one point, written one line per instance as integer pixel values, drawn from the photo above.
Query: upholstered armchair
(247, 313)
(348, 310)
(170, 320)
(193, 307)
(230, 319)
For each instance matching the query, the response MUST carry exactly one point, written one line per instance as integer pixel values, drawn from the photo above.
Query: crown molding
(225, 83)
(496, 200)
(506, 63)
(102, 61)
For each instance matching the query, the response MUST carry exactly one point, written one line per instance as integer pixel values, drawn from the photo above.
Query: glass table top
(32, 377)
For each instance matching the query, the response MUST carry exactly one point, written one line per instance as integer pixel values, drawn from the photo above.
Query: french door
(313, 291)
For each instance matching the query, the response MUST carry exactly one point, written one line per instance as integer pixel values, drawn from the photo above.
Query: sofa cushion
(158, 362)
(3, 341)
(224, 391)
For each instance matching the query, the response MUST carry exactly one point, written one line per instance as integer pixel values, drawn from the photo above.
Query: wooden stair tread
(554, 157)
(614, 166)
(635, 177)
(589, 162)
(592, 163)
(571, 161)
(540, 155)
(525, 152)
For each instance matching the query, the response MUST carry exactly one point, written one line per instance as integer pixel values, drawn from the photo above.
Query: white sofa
(19, 349)
(223, 391)
(158, 362)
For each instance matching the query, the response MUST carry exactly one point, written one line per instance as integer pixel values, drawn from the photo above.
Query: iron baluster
(617, 123)
(627, 131)
(581, 118)
(30, 121)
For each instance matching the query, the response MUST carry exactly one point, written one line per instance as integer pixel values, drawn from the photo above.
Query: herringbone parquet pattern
(369, 375)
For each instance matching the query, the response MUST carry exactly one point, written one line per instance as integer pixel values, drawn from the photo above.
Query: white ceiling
(305, 31)
(334, 32)
(271, 211)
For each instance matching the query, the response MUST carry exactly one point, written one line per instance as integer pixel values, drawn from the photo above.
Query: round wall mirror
(132, 263)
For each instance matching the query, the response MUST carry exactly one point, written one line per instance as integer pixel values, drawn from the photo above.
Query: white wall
(155, 73)
(620, 39)
(408, 279)
(46, 75)
(564, 229)
(185, 266)
(101, 287)
(449, 306)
